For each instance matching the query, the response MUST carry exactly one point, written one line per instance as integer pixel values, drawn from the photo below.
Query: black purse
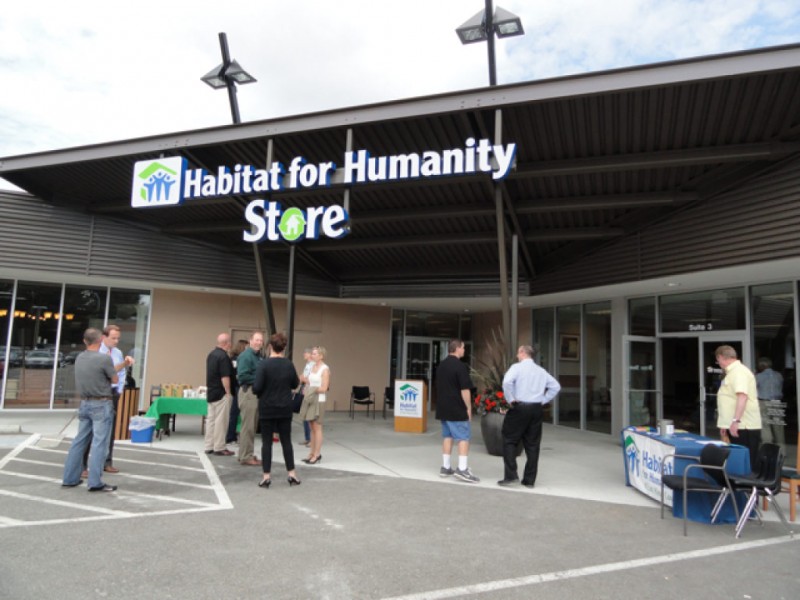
(297, 401)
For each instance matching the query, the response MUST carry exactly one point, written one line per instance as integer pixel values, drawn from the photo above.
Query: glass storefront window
(642, 316)
(84, 307)
(543, 327)
(10, 356)
(569, 365)
(715, 310)
(46, 323)
(429, 324)
(597, 368)
(33, 332)
(543, 322)
(774, 362)
(130, 311)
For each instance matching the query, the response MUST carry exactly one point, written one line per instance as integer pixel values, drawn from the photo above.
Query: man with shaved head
(219, 375)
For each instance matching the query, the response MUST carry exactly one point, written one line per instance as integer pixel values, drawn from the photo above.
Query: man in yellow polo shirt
(738, 414)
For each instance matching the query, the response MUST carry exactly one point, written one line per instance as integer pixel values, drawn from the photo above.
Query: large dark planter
(491, 430)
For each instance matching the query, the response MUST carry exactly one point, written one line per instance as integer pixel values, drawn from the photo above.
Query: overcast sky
(85, 72)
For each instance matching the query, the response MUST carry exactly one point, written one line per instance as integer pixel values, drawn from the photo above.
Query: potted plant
(490, 403)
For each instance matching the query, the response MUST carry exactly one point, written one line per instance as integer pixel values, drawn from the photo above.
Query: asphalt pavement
(372, 520)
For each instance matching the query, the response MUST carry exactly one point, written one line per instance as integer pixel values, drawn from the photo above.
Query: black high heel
(313, 462)
(292, 481)
(265, 483)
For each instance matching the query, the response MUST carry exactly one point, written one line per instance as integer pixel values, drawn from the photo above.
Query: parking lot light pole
(487, 24)
(484, 26)
(227, 75)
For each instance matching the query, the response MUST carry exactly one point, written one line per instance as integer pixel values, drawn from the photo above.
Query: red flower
(499, 394)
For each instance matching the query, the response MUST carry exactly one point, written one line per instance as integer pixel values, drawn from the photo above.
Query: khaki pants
(217, 424)
(248, 409)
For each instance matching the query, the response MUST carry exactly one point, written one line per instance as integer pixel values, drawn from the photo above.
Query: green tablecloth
(163, 406)
(169, 405)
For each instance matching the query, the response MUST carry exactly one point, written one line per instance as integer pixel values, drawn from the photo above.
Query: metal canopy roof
(599, 156)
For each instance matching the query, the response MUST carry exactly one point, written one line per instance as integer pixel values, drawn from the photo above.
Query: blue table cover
(690, 444)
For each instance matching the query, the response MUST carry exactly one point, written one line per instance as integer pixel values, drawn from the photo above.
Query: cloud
(91, 72)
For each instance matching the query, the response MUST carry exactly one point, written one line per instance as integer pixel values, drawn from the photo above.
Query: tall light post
(485, 25)
(227, 75)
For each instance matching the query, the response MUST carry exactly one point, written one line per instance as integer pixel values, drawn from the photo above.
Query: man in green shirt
(248, 402)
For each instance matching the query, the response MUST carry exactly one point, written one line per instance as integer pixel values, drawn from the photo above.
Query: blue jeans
(96, 420)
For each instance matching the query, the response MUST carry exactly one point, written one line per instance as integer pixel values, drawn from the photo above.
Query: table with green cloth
(163, 406)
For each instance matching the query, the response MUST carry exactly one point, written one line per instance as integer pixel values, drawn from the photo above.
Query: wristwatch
(736, 420)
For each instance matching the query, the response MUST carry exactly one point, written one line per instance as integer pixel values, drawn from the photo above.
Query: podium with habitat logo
(410, 405)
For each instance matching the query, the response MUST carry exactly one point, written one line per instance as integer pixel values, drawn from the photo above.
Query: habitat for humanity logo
(168, 181)
(157, 182)
(408, 393)
(632, 455)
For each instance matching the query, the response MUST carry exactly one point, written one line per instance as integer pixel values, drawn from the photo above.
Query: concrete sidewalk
(573, 464)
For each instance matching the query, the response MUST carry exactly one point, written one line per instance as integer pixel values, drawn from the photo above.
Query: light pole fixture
(227, 75)
(485, 25)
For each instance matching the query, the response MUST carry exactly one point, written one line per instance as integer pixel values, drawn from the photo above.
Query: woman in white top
(313, 408)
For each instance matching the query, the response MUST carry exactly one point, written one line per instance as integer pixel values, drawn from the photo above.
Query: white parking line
(189, 506)
(90, 508)
(504, 584)
(16, 451)
(137, 462)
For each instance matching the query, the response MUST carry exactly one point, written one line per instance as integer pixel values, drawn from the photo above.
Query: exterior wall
(84, 245)
(184, 326)
(752, 223)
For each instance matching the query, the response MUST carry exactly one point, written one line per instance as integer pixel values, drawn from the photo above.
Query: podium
(410, 405)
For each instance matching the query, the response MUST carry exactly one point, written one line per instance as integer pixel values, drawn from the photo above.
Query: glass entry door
(422, 357)
(712, 376)
(642, 392)
(417, 363)
(691, 378)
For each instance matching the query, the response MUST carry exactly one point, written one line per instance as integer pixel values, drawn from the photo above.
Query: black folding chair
(710, 477)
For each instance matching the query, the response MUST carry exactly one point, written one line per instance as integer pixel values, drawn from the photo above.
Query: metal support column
(290, 303)
(261, 273)
(514, 294)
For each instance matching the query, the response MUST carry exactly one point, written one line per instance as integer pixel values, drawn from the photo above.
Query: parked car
(70, 357)
(43, 359)
(14, 356)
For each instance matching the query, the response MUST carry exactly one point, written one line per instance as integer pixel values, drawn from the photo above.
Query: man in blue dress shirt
(527, 388)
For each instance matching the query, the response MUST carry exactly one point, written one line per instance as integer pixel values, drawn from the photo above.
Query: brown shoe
(253, 462)
(84, 474)
(111, 469)
(225, 452)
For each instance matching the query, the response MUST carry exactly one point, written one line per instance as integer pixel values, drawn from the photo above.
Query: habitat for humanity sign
(169, 182)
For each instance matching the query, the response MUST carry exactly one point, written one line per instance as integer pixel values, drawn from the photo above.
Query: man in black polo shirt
(454, 410)
(219, 374)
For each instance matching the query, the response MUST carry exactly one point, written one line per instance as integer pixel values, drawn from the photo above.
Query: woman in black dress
(276, 378)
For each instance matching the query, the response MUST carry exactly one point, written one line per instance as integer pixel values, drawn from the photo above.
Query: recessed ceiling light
(672, 284)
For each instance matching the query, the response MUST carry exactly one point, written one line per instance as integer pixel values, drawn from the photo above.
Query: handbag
(297, 401)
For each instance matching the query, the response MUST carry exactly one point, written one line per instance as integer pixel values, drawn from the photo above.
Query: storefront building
(646, 215)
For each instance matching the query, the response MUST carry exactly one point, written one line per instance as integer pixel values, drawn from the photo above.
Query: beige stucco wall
(184, 326)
